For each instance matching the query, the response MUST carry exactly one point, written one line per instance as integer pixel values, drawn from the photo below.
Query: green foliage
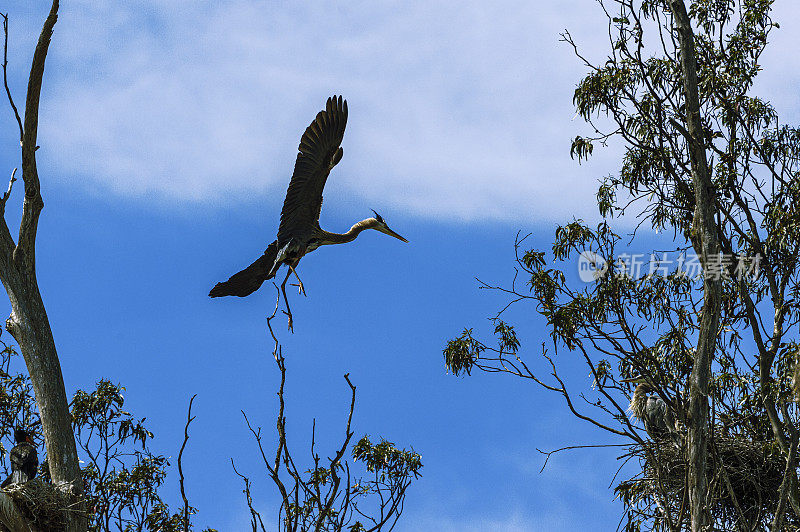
(386, 461)
(581, 148)
(391, 471)
(507, 336)
(100, 414)
(17, 406)
(122, 476)
(462, 353)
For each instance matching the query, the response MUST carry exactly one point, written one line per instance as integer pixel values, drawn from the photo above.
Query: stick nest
(744, 477)
(42, 503)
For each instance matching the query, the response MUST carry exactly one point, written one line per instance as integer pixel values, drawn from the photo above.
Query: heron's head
(380, 225)
(639, 398)
(21, 435)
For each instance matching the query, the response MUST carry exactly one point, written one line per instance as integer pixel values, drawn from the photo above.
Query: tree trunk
(12, 519)
(29, 326)
(707, 247)
(28, 323)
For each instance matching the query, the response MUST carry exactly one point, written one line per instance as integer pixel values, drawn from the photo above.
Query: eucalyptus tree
(711, 168)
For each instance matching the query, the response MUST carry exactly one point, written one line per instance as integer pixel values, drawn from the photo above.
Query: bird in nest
(650, 408)
(24, 459)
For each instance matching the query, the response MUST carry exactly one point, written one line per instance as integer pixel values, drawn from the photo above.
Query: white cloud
(456, 112)
(558, 516)
(515, 522)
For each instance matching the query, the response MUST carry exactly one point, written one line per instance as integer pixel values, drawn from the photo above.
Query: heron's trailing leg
(299, 285)
(288, 311)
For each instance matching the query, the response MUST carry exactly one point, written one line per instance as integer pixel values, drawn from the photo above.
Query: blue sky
(168, 133)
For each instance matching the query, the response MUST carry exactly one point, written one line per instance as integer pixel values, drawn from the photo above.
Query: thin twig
(189, 419)
(5, 75)
(255, 517)
(549, 453)
(7, 194)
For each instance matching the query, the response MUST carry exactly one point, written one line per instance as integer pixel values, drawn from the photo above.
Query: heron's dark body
(658, 418)
(655, 413)
(24, 461)
(299, 232)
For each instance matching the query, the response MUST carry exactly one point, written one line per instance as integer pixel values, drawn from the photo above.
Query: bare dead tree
(28, 322)
(713, 168)
(327, 496)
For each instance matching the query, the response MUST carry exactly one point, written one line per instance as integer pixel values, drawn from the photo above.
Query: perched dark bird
(299, 232)
(653, 411)
(24, 459)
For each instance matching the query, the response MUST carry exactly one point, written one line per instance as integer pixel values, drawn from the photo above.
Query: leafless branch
(186, 508)
(5, 75)
(323, 497)
(7, 194)
(255, 517)
(548, 454)
(24, 253)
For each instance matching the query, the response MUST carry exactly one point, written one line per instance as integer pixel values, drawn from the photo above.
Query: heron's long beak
(637, 380)
(392, 233)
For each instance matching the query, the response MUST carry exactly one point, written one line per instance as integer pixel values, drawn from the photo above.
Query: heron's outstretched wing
(250, 279)
(319, 152)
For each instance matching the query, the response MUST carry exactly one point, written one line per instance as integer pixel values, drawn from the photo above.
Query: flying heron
(647, 406)
(299, 232)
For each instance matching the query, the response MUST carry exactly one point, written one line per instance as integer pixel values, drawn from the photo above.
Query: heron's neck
(639, 402)
(349, 236)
